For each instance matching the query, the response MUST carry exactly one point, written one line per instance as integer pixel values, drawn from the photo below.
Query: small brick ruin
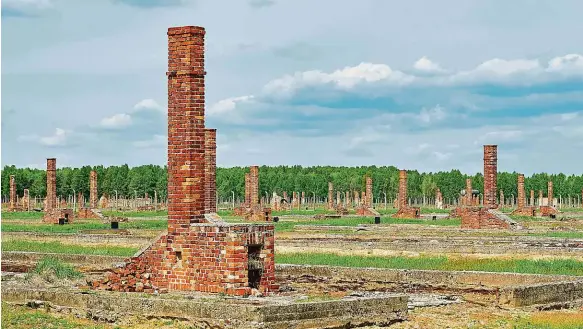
(91, 212)
(337, 206)
(486, 217)
(199, 251)
(103, 202)
(405, 211)
(523, 209)
(367, 205)
(52, 213)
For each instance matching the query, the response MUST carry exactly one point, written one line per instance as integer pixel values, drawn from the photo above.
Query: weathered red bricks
(490, 175)
(523, 209)
(51, 199)
(405, 211)
(93, 196)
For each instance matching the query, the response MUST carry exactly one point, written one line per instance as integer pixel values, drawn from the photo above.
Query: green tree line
(129, 182)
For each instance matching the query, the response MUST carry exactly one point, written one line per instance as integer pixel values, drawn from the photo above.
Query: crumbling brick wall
(405, 211)
(53, 216)
(93, 190)
(490, 175)
(51, 200)
(480, 218)
(103, 201)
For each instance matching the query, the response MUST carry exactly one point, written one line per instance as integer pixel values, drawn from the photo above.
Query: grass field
(77, 227)
(60, 248)
(22, 215)
(558, 266)
(17, 317)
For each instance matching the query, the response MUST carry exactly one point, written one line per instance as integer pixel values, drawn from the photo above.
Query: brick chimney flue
(51, 202)
(490, 175)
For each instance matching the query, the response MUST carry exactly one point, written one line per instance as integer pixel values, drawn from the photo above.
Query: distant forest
(136, 181)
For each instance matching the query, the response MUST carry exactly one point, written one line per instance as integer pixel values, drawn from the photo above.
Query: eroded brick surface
(54, 215)
(51, 199)
(93, 190)
(481, 218)
(523, 209)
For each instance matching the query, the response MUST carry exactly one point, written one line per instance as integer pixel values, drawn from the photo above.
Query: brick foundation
(547, 211)
(52, 216)
(199, 252)
(490, 175)
(483, 218)
(405, 211)
(87, 213)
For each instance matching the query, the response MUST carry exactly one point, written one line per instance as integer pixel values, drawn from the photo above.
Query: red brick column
(12, 205)
(532, 198)
(186, 153)
(402, 189)
(550, 193)
(330, 196)
(501, 198)
(210, 167)
(51, 202)
(540, 197)
(247, 189)
(254, 187)
(469, 200)
(369, 197)
(521, 193)
(93, 190)
(26, 200)
(490, 175)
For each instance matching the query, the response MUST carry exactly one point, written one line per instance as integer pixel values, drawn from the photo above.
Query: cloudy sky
(415, 84)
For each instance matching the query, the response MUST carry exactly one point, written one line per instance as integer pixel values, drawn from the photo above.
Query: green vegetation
(60, 248)
(557, 266)
(551, 320)
(50, 266)
(22, 215)
(17, 317)
(148, 213)
(77, 227)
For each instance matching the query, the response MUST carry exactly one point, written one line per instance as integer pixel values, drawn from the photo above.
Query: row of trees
(136, 181)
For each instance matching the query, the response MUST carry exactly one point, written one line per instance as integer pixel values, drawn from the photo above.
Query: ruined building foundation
(199, 251)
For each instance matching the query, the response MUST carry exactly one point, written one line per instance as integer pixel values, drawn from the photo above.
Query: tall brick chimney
(93, 190)
(369, 197)
(26, 200)
(254, 187)
(532, 198)
(402, 189)
(502, 198)
(247, 189)
(186, 130)
(210, 167)
(469, 191)
(550, 193)
(521, 193)
(490, 175)
(51, 202)
(12, 193)
(330, 195)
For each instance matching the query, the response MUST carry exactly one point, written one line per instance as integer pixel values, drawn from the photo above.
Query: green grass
(18, 317)
(148, 213)
(53, 266)
(283, 226)
(76, 227)
(566, 235)
(557, 266)
(60, 248)
(22, 215)
(551, 320)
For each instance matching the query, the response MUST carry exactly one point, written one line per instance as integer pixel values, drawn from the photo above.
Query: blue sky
(416, 84)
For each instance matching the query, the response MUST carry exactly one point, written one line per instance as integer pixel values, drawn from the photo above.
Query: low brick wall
(540, 294)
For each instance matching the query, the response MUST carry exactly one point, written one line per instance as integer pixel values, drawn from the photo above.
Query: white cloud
(227, 105)
(569, 116)
(147, 104)
(40, 4)
(441, 156)
(570, 62)
(116, 121)
(433, 114)
(345, 78)
(155, 141)
(57, 139)
(425, 64)
(493, 137)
